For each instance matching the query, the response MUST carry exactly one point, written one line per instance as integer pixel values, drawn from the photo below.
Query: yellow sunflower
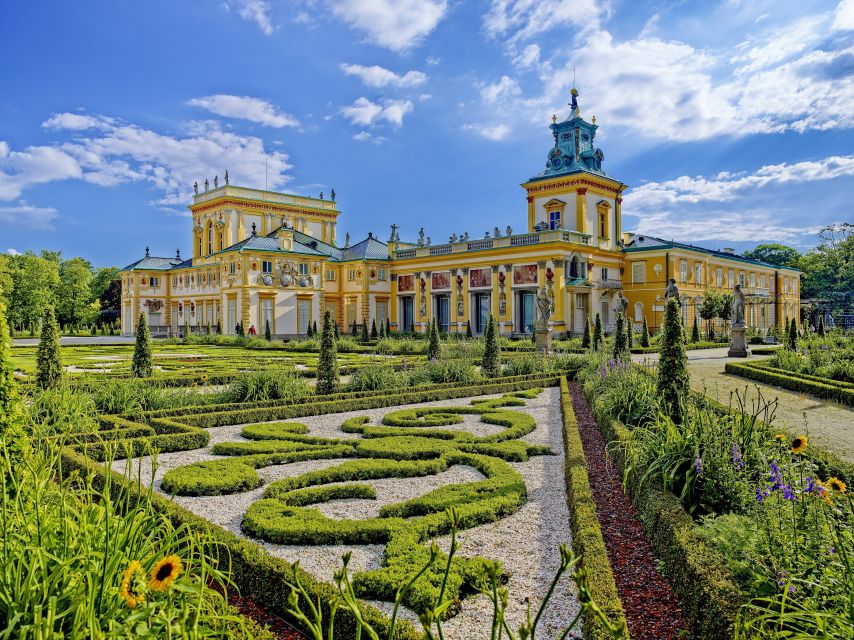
(836, 484)
(204, 377)
(165, 572)
(780, 436)
(133, 585)
(824, 492)
(799, 444)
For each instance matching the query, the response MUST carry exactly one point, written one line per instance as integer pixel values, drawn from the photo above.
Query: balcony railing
(518, 240)
(609, 284)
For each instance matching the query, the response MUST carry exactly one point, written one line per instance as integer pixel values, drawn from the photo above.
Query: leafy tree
(829, 268)
(725, 309)
(268, 334)
(141, 366)
(645, 334)
(35, 281)
(793, 335)
(779, 254)
(585, 339)
(598, 333)
(48, 357)
(490, 366)
(710, 309)
(364, 335)
(374, 333)
(6, 281)
(621, 345)
(672, 384)
(695, 330)
(433, 340)
(469, 334)
(327, 361)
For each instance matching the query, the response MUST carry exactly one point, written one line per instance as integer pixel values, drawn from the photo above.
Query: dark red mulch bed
(247, 607)
(652, 610)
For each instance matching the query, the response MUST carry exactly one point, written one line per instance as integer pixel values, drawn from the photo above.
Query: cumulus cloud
(363, 112)
(112, 153)
(13, 252)
(523, 19)
(505, 87)
(490, 132)
(844, 20)
(528, 57)
(399, 25)
(245, 108)
(76, 122)
(20, 170)
(376, 76)
(365, 136)
(257, 11)
(24, 216)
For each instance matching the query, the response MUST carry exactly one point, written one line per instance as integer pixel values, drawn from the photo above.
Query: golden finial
(593, 119)
(554, 118)
(573, 92)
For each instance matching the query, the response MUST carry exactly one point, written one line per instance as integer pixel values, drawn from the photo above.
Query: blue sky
(731, 121)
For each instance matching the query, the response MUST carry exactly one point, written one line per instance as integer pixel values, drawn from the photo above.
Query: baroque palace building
(262, 256)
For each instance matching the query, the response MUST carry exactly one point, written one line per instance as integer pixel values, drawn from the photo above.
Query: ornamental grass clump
(672, 383)
(141, 366)
(327, 360)
(48, 357)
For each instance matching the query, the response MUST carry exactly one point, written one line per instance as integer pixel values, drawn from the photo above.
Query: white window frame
(381, 274)
(266, 266)
(330, 275)
(641, 267)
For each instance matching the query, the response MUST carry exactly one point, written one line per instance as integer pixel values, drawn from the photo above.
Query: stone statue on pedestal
(738, 342)
(421, 237)
(196, 188)
(737, 307)
(541, 326)
(206, 184)
(622, 303)
(672, 291)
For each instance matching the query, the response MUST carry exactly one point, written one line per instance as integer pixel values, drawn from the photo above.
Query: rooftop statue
(206, 184)
(216, 182)
(421, 237)
(196, 187)
(332, 195)
(496, 232)
(509, 231)
(226, 176)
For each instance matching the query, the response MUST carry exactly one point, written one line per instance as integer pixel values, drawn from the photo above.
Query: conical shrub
(598, 333)
(621, 345)
(433, 348)
(141, 366)
(585, 339)
(645, 334)
(490, 366)
(48, 357)
(673, 380)
(327, 360)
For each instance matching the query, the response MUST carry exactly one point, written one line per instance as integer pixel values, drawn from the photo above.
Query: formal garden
(386, 486)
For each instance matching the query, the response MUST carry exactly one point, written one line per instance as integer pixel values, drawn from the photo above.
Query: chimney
(628, 237)
(729, 250)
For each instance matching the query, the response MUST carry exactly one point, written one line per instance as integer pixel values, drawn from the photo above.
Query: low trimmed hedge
(587, 538)
(256, 573)
(688, 346)
(822, 387)
(708, 594)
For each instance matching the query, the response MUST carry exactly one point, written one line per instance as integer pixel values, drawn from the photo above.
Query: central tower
(573, 193)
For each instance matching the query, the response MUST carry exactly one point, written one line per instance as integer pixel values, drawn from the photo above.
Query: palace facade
(264, 257)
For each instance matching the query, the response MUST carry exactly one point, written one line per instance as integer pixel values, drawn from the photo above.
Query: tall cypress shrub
(268, 334)
(585, 339)
(141, 366)
(364, 336)
(48, 357)
(11, 408)
(630, 339)
(469, 334)
(335, 328)
(387, 328)
(621, 345)
(793, 335)
(327, 360)
(695, 331)
(598, 333)
(491, 353)
(672, 383)
(645, 334)
(374, 333)
(820, 328)
(309, 332)
(433, 341)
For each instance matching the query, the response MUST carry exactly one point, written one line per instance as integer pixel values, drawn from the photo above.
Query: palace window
(603, 225)
(554, 220)
(719, 277)
(752, 279)
(730, 278)
(231, 268)
(267, 266)
(638, 311)
(303, 268)
(574, 271)
(154, 281)
(741, 278)
(330, 275)
(762, 281)
(785, 285)
(698, 274)
(683, 271)
(351, 274)
(638, 272)
(210, 238)
(380, 274)
(174, 281)
(604, 273)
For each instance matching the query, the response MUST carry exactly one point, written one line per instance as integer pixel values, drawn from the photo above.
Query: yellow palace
(264, 257)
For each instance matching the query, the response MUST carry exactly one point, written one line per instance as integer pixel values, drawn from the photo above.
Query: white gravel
(527, 542)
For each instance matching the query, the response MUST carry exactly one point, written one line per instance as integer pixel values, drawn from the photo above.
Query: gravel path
(527, 542)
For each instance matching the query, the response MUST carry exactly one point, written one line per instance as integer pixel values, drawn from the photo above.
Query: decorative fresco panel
(526, 274)
(405, 283)
(440, 280)
(480, 278)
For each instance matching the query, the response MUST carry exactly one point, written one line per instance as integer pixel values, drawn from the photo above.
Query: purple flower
(698, 467)
(787, 492)
(761, 495)
(776, 477)
(832, 550)
(810, 486)
(791, 588)
(737, 460)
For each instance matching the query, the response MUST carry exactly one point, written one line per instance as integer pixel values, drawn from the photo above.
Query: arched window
(200, 244)
(638, 311)
(210, 238)
(221, 244)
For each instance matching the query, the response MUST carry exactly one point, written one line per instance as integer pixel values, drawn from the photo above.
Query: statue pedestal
(738, 343)
(542, 337)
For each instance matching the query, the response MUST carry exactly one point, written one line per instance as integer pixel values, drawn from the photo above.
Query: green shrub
(214, 477)
(644, 334)
(621, 345)
(491, 365)
(327, 363)
(268, 385)
(142, 366)
(48, 358)
(585, 340)
(376, 378)
(444, 371)
(433, 349)
(672, 385)
(598, 333)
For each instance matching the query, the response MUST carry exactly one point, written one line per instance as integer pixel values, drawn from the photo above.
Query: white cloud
(424, 97)
(365, 136)
(528, 57)
(76, 122)
(257, 11)
(399, 25)
(25, 216)
(365, 113)
(844, 20)
(245, 108)
(726, 187)
(113, 153)
(20, 170)
(376, 76)
(523, 19)
(432, 60)
(490, 132)
(13, 252)
(505, 87)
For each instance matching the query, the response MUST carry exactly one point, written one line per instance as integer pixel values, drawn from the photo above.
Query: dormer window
(554, 220)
